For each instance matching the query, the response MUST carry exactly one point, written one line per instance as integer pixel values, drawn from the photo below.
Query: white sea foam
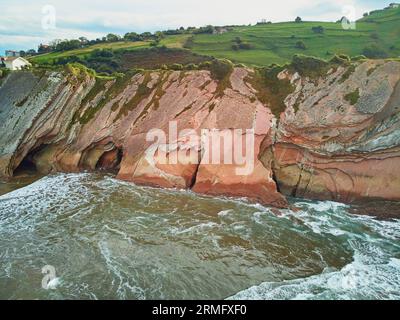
(54, 283)
(357, 280)
(198, 228)
(373, 274)
(224, 213)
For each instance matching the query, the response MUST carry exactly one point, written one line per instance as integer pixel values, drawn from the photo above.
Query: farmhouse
(15, 63)
(220, 30)
(394, 5)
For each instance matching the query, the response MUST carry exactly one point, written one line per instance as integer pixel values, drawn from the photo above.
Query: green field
(275, 43)
(171, 42)
(43, 58)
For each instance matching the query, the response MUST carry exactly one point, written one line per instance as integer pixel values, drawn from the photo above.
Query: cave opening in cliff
(26, 166)
(110, 160)
(28, 163)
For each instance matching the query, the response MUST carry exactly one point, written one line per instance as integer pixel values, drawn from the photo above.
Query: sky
(26, 24)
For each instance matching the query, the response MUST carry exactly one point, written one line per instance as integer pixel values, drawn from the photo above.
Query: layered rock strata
(337, 137)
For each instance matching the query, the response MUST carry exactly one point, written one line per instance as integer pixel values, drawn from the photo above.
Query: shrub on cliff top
(191, 66)
(176, 67)
(240, 65)
(205, 65)
(359, 58)
(220, 68)
(79, 70)
(374, 52)
(309, 66)
(271, 91)
(314, 68)
(340, 59)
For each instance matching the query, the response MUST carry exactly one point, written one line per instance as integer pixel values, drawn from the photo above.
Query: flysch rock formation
(337, 149)
(337, 139)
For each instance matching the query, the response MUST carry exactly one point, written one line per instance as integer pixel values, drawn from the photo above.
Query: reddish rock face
(247, 177)
(337, 139)
(345, 179)
(337, 149)
(161, 168)
(223, 180)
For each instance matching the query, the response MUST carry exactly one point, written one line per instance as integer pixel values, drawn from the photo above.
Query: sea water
(109, 239)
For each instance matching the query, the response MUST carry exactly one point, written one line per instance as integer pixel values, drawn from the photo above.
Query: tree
(83, 40)
(54, 43)
(263, 21)
(112, 37)
(146, 35)
(238, 43)
(318, 29)
(207, 29)
(155, 43)
(44, 48)
(132, 36)
(104, 53)
(22, 53)
(245, 46)
(298, 20)
(68, 45)
(159, 35)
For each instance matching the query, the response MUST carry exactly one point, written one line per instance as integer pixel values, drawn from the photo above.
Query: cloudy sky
(21, 21)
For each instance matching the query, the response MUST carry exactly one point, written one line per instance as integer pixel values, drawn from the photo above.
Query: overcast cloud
(21, 21)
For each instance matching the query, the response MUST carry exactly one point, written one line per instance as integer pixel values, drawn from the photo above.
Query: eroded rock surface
(338, 147)
(337, 139)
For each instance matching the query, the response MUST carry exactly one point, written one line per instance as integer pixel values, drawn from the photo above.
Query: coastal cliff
(332, 134)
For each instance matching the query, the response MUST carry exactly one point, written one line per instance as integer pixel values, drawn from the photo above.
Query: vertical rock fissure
(275, 179)
(194, 179)
(295, 190)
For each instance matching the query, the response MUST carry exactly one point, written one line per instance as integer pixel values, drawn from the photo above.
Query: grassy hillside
(276, 43)
(265, 44)
(170, 42)
(49, 57)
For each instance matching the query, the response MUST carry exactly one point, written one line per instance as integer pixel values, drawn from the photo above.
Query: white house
(16, 63)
